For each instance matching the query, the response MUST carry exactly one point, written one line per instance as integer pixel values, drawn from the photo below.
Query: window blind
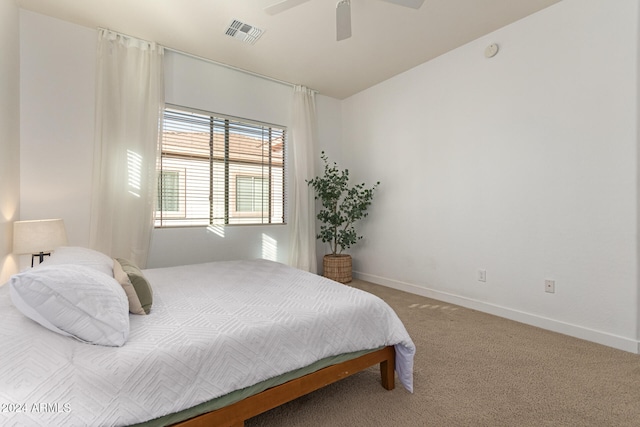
(219, 170)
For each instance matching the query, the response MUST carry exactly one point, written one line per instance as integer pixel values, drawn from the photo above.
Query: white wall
(524, 164)
(57, 105)
(9, 134)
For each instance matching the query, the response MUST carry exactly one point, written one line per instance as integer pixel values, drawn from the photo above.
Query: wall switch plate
(550, 286)
(482, 275)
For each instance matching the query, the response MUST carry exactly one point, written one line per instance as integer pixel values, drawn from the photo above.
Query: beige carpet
(474, 369)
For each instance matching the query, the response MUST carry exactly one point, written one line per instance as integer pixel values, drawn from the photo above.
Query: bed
(222, 342)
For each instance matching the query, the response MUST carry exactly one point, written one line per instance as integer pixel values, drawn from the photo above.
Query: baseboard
(618, 342)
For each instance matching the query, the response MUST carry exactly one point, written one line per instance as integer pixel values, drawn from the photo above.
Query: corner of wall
(9, 133)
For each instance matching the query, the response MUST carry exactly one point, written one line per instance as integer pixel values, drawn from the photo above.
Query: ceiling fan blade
(343, 20)
(282, 6)
(414, 4)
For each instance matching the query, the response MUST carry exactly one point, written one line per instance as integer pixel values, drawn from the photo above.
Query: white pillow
(74, 300)
(77, 255)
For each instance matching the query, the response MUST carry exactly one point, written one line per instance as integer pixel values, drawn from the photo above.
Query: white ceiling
(299, 45)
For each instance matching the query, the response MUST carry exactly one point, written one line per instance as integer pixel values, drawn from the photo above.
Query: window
(169, 188)
(252, 193)
(219, 170)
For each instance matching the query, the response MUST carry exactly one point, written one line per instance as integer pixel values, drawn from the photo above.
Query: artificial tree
(342, 206)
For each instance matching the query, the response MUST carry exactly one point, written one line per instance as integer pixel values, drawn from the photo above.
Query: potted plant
(342, 207)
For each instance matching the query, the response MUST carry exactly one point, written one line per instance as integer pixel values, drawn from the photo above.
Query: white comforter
(213, 328)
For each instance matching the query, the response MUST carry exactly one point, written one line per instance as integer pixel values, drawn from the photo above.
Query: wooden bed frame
(234, 415)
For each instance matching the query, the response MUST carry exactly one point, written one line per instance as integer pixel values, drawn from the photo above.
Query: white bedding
(213, 328)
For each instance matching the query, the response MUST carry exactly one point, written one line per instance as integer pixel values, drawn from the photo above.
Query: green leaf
(342, 206)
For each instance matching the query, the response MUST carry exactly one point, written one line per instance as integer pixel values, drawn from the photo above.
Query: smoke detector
(243, 32)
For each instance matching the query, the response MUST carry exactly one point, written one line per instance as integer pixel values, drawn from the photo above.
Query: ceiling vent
(243, 32)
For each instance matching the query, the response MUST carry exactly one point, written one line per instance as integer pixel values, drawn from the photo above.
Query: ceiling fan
(343, 12)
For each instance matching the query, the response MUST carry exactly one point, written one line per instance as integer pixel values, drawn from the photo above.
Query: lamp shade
(32, 237)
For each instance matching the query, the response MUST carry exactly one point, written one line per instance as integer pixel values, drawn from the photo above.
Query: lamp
(38, 237)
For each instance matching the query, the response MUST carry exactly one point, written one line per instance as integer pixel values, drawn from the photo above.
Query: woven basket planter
(337, 267)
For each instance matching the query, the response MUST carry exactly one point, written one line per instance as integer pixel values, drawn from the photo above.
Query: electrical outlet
(482, 275)
(550, 286)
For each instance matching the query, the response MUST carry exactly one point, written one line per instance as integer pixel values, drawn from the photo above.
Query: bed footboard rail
(234, 415)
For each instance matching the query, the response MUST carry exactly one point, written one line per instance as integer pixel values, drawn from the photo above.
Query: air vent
(244, 32)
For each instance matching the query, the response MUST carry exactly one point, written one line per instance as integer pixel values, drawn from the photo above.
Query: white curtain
(129, 102)
(302, 146)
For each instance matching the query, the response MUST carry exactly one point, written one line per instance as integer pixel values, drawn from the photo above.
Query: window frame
(181, 187)
(238, 200)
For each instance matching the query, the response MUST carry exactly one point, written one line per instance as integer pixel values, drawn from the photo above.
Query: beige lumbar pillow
(119, 274)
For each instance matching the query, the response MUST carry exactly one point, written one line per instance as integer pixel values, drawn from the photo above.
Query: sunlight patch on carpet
(434, 307)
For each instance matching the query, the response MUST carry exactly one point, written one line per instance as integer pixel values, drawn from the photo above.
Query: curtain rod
(231, 67)
(222, 64)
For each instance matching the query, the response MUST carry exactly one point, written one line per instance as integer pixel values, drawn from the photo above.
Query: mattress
(214, 328)
(239, 395)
